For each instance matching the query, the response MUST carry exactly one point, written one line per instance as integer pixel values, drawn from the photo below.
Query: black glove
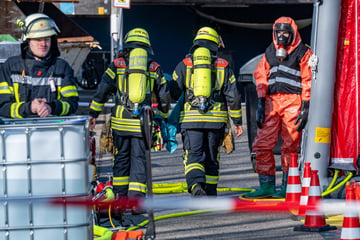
(260, 114)
(303, 116)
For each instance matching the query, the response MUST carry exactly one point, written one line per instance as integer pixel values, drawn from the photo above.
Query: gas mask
(281, 40)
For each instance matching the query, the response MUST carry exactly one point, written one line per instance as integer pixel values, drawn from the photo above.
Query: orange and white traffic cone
(314, 220)
(293, 188)
(305, 189)
(351, 227)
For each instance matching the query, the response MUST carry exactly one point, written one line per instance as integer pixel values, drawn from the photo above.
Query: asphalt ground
(236, 173)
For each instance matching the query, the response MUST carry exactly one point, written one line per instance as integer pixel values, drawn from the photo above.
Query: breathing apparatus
(202, 76)
(137, 77)
(281, 40)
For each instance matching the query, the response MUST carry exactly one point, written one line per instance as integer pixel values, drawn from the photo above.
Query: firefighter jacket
(225, 98)
(23, 79)
(114, 81)
(291, 75)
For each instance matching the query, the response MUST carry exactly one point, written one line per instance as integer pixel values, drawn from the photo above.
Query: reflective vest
(285, 76)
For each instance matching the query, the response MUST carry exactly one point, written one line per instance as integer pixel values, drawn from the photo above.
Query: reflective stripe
(195, 116)
(161, 114)
(4, 88)
(65, 106)
(136, 186)
(69, 91)
(96, 106)
(110, 73)
(285, 69)
(194, 166)
(121, 181)
(212, 179)
(122, 124)
(16, 92)
(285, 80)
(35, 81)
(14, 110)
(235, 113)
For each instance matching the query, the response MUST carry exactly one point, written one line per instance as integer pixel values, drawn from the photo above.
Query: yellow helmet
(207, 37)
(38, 25)
(207, 33)
(138, 35)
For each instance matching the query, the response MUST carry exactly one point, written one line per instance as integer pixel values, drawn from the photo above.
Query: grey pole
(116, 30)
(324, 42)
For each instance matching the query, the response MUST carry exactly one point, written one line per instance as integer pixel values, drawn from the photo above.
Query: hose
(104, 233)
(345, 180)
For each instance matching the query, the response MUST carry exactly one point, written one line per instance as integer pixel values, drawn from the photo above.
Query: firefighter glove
(260, 114)
(303, 116)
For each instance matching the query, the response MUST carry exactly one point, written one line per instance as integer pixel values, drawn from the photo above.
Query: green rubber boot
(282, 192)
(267, 187)
(266, 190)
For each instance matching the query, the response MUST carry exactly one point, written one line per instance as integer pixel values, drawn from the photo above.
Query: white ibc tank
(43, 159)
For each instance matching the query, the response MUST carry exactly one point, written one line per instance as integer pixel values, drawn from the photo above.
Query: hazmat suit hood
(296, 39)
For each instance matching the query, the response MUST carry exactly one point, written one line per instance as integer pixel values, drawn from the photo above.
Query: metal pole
(116, 30)
(324, 39)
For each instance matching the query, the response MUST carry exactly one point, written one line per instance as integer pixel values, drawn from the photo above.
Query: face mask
(284, 40)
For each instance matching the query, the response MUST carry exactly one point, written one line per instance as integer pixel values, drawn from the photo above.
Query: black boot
(197, 190)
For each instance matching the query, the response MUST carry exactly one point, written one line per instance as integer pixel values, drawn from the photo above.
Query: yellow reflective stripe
(124, 124)
(121, 181)
(163, 81)
(232, 79)
(220, 76)
(96, 106)
(136, 186)
(14, 110)
(161, 114)
(4, 88)
(195, 116)
(65, 106)
(212, 179)
(69, 91)
(120, 79)
(58, 92)
(194, 166)
(16, 92)
(110, 73)
(235, 113)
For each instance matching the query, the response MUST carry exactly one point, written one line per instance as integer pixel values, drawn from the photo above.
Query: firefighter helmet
(138, 37)
(38, 25)
(207, 37)
(207, 33)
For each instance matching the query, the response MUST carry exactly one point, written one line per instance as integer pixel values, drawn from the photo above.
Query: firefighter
(283, 82)
(210, 94)
(37, 83)
(133, 76)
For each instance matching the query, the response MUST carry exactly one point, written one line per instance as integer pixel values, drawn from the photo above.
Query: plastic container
(41, 159)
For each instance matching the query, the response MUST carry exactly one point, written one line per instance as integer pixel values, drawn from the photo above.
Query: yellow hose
(102, 232)
(345, 180)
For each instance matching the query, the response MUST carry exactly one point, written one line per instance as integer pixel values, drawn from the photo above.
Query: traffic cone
(351, 226)
(293, 188)
(314, 220)
(305, 189)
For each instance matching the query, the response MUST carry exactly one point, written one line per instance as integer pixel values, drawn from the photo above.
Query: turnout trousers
(129, 166)
(202, 157)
